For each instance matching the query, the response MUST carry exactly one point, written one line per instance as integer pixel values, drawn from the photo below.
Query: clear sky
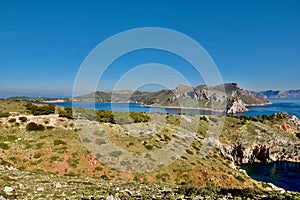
(43, 43)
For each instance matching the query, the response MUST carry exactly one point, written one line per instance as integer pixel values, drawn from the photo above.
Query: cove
(285, 175)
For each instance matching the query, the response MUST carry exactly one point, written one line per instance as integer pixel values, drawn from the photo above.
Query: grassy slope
(61, 151)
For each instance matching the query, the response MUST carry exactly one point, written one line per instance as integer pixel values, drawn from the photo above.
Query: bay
(282, 174)
(290, 106)
(133, 107)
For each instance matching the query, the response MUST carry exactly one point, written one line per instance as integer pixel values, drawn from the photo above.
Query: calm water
(282, 174)
(290, 106)
(132, 107)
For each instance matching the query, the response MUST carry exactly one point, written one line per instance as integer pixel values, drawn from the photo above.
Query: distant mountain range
(281, 94)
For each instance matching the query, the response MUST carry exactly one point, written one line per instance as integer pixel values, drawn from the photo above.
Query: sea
(285, 175)
(282, 174)
(290, 106)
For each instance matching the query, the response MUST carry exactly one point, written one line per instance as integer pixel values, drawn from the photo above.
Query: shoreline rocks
(237, 107)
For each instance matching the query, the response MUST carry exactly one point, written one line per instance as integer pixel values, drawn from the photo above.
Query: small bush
(23, 119)
(105, 116)
(4, 146)
(100, 141)
(12, 120)
(241, 179)
(67, 112)
(40, 110)
(115, 153)
(98, 168)
(37, 155)
(4, 114)
(58, 142)
(139, 117)
(86, 140)
(34, 127)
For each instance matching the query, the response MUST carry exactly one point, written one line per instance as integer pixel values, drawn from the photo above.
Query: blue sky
(43, 43)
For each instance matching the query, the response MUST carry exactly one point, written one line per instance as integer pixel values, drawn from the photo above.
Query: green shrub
(23, 119)
(100, 141)
(37, 155)
(67, 112)
(98, 168)
(121, 117)
(58, 142)
(40, 110)
(12, 120)
(4, 114)
(4, 146)
(139, 117)
(86, 140)
(34, 127)
(105, 116)
(115, 153)
(241, 179)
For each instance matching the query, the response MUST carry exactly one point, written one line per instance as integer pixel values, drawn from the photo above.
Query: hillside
(233, 99)
(60, 148)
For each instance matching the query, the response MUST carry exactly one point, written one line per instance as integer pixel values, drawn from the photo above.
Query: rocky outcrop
(295, 122)
(237, 107)
(240, 154)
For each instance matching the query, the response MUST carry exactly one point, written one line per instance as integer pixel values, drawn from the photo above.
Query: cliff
(266, 142)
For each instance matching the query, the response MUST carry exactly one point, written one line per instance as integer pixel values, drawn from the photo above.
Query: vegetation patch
(40, 110)
(58, 142)
(4, 146)
(34, 127)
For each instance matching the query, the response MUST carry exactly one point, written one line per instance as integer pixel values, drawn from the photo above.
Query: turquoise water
(282, 174)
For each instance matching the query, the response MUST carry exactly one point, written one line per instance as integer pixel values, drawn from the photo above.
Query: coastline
(259, 104)
(55, 101)
(178, 107)
(160, 106)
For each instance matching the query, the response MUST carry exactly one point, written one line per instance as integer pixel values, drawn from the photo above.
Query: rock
(275, 188)
(2, 198)
(128, 192)
(40, 189)
(58, 185)
(295, 122)
(237, 107)
(10, 168)
(8, 190)
(110, 197)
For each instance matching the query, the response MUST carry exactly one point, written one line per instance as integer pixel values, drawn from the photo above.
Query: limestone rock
(8, 190)
(237, 107)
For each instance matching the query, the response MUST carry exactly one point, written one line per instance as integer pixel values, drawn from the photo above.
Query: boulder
(8, 190)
